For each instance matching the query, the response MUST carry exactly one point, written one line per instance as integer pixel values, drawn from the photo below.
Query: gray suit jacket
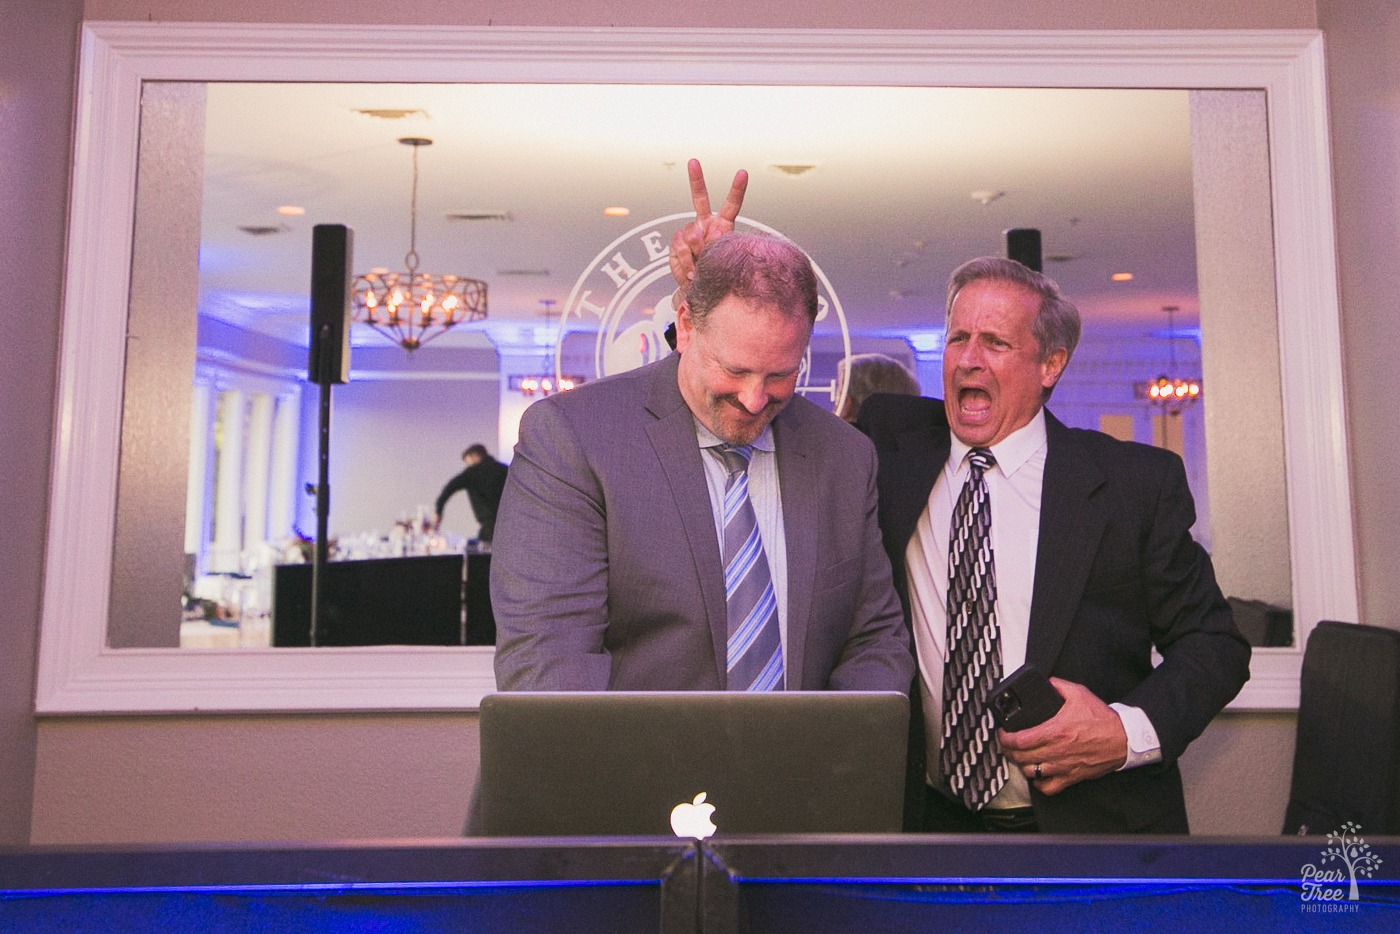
(606, 570)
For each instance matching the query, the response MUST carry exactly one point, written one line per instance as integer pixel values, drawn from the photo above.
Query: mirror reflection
(521, 188)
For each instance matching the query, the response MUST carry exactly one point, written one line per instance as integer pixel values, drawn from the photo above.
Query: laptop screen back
(564, 764)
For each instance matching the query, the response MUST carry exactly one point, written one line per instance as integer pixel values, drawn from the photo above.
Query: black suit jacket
(484, 482)
(1117, 574)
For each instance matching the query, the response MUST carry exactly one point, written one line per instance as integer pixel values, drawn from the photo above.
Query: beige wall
(37, 44)
(161, 779)
(1363, 75)
(1237, 774)
(813, 14)
(302, 777)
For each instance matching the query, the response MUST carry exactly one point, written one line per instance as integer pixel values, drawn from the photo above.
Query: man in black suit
(1094, 567)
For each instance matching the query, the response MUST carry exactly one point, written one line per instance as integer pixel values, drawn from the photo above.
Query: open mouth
(974, 403)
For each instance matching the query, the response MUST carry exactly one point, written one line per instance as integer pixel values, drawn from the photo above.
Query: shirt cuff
(1144, 748)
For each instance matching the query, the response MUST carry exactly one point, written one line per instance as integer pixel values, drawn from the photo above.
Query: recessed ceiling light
(616, 211)
(291, 210)
(907, 257)
(792, 169)
(390, 113)
(987, 195)
(479, 214)
(1122, 277)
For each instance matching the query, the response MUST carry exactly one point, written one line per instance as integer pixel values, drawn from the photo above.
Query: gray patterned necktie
(755, 649)
(970, 758)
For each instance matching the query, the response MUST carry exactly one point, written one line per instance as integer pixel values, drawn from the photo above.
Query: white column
(196, 486)
(282, 481)
(228, 484)
(1244, 517)
(513, 403)
(255, 472)
(308, 459)
(521, 351)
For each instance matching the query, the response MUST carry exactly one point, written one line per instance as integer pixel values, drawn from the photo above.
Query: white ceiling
(887, 212)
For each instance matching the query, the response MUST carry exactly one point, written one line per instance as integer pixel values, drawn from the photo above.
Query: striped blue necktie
(969, 756)
(755, 647)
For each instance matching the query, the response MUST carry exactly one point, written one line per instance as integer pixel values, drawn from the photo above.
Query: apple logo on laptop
(692, 818)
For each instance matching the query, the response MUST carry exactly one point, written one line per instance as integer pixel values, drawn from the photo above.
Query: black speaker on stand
(1023, 245)
(328, 363)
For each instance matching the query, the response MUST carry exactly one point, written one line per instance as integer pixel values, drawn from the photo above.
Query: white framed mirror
(80, 673)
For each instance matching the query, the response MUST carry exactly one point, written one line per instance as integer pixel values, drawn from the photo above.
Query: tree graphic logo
(1347, 848)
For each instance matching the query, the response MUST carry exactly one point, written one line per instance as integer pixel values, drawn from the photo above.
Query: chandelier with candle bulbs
(412, 308)
(1170, 391)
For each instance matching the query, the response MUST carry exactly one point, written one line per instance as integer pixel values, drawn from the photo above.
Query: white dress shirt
(1014, 488)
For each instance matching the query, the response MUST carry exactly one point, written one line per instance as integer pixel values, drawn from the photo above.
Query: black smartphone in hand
(1023, 699)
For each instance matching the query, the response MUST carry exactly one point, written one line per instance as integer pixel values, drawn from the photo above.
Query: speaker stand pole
(328, 362)
(323, 503)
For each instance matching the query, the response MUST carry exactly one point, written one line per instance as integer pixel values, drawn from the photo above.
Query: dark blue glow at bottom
(321, 888)
(573, 907)
(976, 906)
(775, 906)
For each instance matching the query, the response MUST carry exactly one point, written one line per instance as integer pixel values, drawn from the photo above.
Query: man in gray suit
(608, 571)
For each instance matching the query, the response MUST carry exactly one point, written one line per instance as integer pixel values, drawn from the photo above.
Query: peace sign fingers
(693, 237)
(700, 197)
(699, 194)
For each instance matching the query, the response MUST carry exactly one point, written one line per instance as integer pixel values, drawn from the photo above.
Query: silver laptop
(564, 764)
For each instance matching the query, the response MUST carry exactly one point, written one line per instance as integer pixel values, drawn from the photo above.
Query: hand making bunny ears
(692, 238)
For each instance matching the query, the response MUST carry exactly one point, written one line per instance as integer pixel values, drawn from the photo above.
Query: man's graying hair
(1056, 325)
(756, 267)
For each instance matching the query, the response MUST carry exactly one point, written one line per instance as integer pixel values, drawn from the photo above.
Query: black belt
(945, 814)
(1009, 820)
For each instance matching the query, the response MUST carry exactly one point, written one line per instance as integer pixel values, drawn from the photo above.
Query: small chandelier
(412, 308)
(543, 385)
(1169, 392)
(546, 382)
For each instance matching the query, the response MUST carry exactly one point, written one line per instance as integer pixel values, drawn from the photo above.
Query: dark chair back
(1346, 765)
